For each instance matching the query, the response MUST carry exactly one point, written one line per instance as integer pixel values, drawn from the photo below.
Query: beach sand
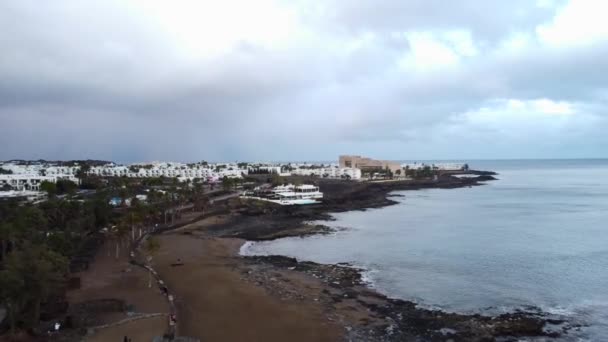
(215, 303)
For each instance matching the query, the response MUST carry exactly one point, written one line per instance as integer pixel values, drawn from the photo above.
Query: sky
(229, 80)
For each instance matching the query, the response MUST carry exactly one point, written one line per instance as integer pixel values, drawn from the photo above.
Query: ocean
(538, 237)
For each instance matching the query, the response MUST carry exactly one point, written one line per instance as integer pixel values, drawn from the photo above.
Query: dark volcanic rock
(482, 173)
(256, 221)
(407, 321)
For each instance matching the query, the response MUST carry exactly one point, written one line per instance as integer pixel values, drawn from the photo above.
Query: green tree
(199, 192)
(83, 171)
(30, 276)
(409, 172)
(30, 224)
(166, 204)
(65, 186)
(388, 173)
(11, 295)
(276, 179)
(7, 235)
(427, 171)
(49, 187)
(174, 199)
(227, 183)
(101, 210)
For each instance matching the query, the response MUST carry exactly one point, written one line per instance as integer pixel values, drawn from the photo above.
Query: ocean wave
(246, 249)
(367, 277)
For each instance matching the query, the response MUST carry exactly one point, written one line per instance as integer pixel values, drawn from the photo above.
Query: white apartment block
(329, 172)
(170, 170)
(31, 182)
(31, 175)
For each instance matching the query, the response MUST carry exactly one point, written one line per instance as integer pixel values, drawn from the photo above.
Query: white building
(61, 170)
(31, 182)
(272, 169)
(180, 171)
(31, 196)
(435, 166)
(287, 194)
(329, 172)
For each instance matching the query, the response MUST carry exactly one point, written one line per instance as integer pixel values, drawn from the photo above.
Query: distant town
(28, 179)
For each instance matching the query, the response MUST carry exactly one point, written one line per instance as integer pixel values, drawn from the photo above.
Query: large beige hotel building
(367, 164)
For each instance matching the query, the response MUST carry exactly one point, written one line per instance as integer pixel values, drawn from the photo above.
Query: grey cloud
(79, 81)
(488, 20)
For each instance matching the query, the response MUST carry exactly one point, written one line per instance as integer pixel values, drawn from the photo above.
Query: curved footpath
(134, 260)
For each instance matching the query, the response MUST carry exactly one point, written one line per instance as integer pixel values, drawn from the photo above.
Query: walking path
(136, 258)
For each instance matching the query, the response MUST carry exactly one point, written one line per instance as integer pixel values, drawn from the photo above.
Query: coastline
(338, 294)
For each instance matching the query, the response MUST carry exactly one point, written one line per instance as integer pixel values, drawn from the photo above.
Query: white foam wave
(367, 277)
(246, 249)
(581, 309)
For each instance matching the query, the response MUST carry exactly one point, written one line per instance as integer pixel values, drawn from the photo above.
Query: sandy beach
(216, 304)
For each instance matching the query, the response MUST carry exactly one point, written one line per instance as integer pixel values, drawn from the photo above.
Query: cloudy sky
(177, 80)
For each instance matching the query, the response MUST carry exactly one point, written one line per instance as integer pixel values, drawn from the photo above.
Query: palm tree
(174, 199)
(134, 218)
(199, 191)
(83, 171)
(152, 246)
(166, 204)
(118, 233)
(227, 183)
(30, 275)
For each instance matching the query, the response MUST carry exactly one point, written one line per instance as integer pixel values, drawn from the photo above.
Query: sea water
(538, 236)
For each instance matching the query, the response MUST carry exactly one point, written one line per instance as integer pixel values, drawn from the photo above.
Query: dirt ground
(215, 304)
(108, 277)
(213, 220)
(142, 330)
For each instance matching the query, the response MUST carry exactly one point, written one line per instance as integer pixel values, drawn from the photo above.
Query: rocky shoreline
(380, 318)
(259, 221)
(345, 294)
